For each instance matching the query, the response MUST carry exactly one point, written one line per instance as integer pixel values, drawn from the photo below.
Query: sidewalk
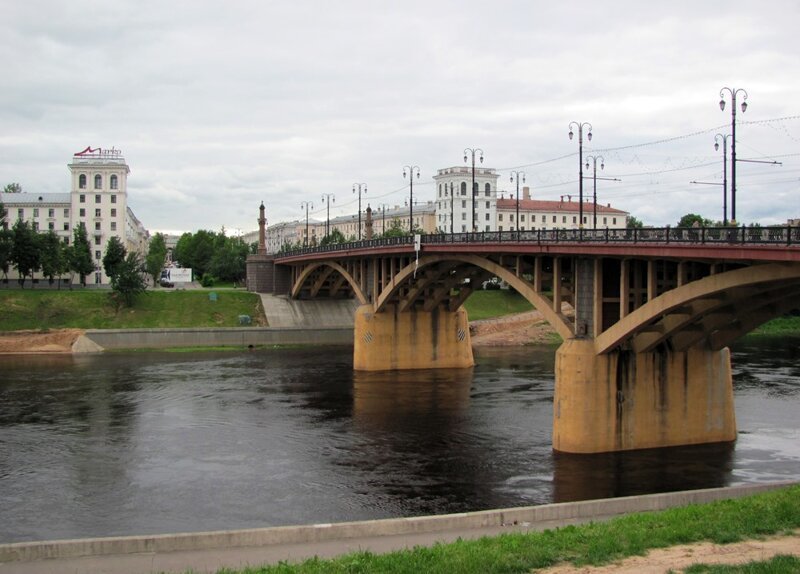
(206, 552)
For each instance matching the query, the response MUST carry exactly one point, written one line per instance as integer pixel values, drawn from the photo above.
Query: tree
(6, 241)
(25, 250)
(229, 261)
(12, 188)
(689, 220)
(53, 260)
(128, 282)
(396, 230)
(633, 223)
(333, 238)
(80, 254)
(156, 256)
(115, 255)
(196, 250)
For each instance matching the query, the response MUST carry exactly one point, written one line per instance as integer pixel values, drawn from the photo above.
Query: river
(142, 443)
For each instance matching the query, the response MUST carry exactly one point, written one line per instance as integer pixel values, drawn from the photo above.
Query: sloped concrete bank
(435, 527)
(120, 339)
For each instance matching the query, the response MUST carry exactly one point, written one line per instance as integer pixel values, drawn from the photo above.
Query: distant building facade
(98, 198)
(454, 199)
(547, 214)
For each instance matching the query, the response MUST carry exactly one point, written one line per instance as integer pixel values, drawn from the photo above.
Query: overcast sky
(218, 106)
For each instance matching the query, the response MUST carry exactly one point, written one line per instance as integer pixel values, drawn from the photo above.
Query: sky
(218, 106)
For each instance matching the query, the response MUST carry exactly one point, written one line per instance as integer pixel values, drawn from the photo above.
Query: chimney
(526, 192)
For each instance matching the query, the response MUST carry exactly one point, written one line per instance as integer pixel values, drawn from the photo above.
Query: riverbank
(532, 538)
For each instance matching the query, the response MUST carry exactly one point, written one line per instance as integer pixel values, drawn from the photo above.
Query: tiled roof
(8, 199)
(554, 206)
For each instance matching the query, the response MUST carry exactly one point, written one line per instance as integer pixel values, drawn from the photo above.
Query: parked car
(165, 283)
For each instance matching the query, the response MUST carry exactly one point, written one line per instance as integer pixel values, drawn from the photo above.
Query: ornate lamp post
(358, 185)
(594, 159)
(306, 205)
(733, 92)
(580, 127)
(411, 170)
(383, 207)
(516, 175)
(327, 198)
(470, 151)
(724, 139)
(452, 209)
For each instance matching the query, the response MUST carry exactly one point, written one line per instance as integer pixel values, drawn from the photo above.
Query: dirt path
(512, 330)
(678, 558)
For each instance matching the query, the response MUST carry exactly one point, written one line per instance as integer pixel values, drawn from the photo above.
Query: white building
(547, 214)
(454, 203)
(98, 198)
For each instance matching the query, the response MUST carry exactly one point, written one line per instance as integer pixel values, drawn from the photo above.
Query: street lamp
(358, 185)
(594, 159)
(517, 175)
(733, 92)
(452, 209)
(724, 139)
(306, 205)
(327, 198)
(472, 152)
(411, 170)
(383, 207)
(580, 162)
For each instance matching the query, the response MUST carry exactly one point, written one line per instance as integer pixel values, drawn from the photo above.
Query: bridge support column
(414, 339)
(625, 401)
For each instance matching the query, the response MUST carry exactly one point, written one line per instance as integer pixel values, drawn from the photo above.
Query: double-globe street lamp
(411, 170)
(306, 205)
(580, 127)
(733, 92)
(470, 151)
(358, 186)
(516, 175)
(724, 139)
(327, 198)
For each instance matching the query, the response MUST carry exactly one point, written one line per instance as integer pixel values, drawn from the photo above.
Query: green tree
(12, 188)
(195, 250)
(6, 241)
(634, 223)
(156, 256)
(396, 230)
(229, 260)
(25, 251)
(80, 254)
(53, 259)
(114, 256)
(689, 220)
(333, 238)
(128, 282)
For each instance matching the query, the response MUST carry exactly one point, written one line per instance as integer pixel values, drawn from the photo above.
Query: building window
(464, 203)
(113, 199)
(499, 217)
(97, 212)
(36, 212)
(487, 228)
(97, 198)
(605, 220)
(554, 219)
(97, 277)
(98, 255)
(114, 212)
(113, 226)
(488, 190)
(97, 240)
(51, 212)
(440, 190)
(511, 217)
(487, 217)
(113, 182)
(36, 226)
(98, 181)
(463, 228)
(66, 226)
(66, 240)
(97, 226)
(82, 198)
(66, 212)
(82, 212)
(51, 226)
(498, 229)
(522, 217)
(487, 205)
(564, 219)
(463, 216)
(533, 218)
(20, 214)
(614, 221)
(463, 188)
(82, 181)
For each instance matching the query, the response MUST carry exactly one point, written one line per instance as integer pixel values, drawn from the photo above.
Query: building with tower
(454, 200)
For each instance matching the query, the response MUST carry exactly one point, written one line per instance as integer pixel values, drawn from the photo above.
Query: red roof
(554, 206)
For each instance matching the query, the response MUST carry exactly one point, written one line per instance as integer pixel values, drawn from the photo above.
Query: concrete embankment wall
(117, 339)
(309, 534)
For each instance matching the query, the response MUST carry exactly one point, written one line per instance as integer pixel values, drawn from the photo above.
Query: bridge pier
(413, 339)
(624, 400)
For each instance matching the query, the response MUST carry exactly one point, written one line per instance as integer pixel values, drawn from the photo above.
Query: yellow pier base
(389, 340)
(626, 401)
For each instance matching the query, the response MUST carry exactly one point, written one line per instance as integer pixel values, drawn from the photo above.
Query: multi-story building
(547, 214)
(98, 198)
(454, 201)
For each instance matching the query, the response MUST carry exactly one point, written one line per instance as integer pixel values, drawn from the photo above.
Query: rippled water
(149, 443)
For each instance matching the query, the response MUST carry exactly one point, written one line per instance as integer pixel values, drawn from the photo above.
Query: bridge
(646, 315)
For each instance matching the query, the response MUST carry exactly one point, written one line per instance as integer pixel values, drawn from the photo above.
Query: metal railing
(778, 235)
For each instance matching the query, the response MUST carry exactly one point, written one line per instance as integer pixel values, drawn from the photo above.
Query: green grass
(781, 564)
(723, 522)
(489, 304)
(90, 309)
(786, 325)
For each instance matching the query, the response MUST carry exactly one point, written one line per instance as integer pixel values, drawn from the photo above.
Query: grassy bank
(786, 325)
(489, 304)
(776, 512)
(30, 309)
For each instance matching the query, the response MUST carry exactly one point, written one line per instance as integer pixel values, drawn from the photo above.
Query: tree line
(213, 256)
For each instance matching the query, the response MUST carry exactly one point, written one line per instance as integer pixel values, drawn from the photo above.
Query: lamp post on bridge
(516, 175)
(580, 127)
(452, 208)
(383, 207)
(733, 92)
(411, 170)
(472, 152)
(306, 205)
(724, 139)
(358, 185)
(327, 198)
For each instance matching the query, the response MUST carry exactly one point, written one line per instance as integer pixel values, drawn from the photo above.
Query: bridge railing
(775, 235)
